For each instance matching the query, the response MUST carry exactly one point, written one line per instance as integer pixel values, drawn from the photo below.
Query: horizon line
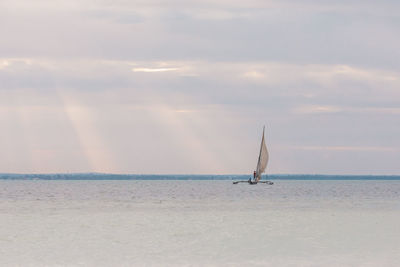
(189, 174)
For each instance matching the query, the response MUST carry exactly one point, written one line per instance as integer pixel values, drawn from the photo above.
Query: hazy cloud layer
(146, 87)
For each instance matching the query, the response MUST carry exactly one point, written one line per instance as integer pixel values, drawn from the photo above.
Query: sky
(185, 87)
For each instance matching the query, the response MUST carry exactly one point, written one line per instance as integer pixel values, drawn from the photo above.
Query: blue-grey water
(199, 223)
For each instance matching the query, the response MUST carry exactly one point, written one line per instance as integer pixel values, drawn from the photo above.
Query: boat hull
(251, 182)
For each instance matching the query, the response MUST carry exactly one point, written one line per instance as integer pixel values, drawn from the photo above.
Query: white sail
(262, 159)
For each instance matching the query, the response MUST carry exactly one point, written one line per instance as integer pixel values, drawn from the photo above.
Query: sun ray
(95, 149)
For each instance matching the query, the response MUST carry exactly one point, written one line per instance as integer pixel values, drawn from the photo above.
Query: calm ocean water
(104, 176)
(199, 223)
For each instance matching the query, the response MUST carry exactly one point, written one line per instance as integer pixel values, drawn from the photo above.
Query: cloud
(347, 148)
(154, 69)
(343, 109)
(299, 88)
(317, 109)
(306, 32)
(4, 64)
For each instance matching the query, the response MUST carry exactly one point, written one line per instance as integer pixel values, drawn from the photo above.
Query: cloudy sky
(175, 87)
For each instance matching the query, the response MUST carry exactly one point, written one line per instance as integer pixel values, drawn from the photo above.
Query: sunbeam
(82, 119)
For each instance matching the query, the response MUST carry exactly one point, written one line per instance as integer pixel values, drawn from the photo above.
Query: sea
(56, 220)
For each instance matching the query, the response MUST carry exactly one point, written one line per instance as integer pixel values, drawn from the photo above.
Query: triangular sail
(262, 159)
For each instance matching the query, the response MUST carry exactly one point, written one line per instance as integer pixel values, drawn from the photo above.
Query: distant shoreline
(183, 177)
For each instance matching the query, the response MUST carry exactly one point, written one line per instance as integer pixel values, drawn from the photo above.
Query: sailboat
(261, 165)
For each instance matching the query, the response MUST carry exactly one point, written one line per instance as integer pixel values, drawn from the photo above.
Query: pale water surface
(199, 223)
